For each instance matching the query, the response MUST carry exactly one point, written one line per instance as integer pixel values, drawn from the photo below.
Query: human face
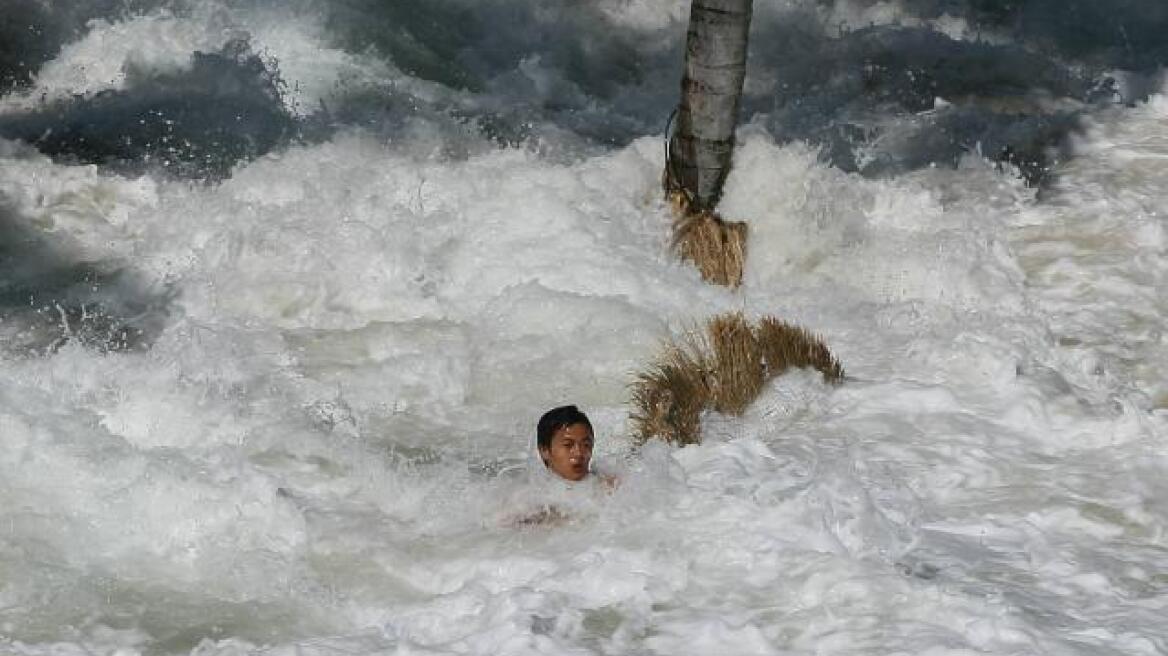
(569, 452)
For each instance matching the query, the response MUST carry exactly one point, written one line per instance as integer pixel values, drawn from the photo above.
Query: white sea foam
(113, 54)
(845, 15)
(111, 50)
(322, 451)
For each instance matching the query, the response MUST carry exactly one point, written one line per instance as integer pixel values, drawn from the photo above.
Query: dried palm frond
(737, 372)
(723, 369)
(716, 246)
(668, 398)
(785, 345)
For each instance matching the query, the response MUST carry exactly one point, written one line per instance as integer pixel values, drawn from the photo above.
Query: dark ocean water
(1015, 81)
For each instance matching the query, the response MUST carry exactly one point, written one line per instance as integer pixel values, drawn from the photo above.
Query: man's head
(565, 439)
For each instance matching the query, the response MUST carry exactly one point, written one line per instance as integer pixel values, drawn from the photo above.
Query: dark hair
(557, 418)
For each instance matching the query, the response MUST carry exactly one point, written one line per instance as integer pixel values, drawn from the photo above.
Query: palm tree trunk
(715, 67)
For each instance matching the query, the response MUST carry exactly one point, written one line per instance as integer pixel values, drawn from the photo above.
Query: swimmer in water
(565, 440)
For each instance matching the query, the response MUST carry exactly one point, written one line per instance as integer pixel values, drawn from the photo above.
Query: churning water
(286, 285)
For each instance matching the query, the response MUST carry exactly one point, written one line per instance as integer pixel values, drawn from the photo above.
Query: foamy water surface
(320, 443)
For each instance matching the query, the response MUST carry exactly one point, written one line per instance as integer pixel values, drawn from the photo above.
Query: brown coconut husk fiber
(738, 373)
(722, 368)
(785, 345)
(670, 395)
(716, 247)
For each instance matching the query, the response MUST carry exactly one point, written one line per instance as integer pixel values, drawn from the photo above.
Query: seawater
(279, 398)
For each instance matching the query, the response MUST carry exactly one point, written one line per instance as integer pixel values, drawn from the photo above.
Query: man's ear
(544, 452)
